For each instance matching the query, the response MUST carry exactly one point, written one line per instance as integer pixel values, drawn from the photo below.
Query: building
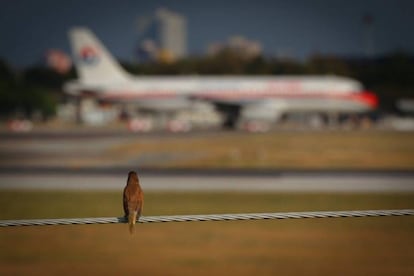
(238, 44)
(167, 32)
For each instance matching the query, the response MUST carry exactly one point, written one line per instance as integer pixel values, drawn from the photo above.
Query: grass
(341, 246)
(278, 150)
(307, 150)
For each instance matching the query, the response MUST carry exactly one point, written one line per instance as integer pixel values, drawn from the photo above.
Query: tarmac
(234, 181)
(72, 161)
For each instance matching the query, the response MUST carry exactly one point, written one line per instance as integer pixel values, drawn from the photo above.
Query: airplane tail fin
(93, 62)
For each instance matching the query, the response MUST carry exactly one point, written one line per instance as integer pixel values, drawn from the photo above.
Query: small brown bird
(133, 200)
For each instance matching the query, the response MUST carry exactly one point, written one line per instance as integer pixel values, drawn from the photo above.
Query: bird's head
(132, 173)
(132, 176)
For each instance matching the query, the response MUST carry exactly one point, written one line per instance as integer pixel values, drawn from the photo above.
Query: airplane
(243, 101)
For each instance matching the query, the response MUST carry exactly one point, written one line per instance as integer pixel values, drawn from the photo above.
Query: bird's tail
(132, 218)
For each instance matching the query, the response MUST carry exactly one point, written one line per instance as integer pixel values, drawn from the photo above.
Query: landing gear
(230, 122)
(230, 115)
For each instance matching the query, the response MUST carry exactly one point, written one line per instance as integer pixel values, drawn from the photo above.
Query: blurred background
(66, 147)
(369, 42)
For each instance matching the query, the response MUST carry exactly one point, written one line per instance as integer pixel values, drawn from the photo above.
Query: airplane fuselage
(238, 98)
(297, 93)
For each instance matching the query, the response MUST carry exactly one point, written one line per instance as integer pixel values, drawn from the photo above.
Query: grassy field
(277, 150)
(364, 150)
(340, 246)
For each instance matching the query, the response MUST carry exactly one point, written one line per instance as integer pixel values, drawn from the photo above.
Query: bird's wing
(140, 203)
(125, 201)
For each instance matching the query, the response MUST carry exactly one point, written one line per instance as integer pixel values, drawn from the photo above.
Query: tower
(172, 29)
(167, 31)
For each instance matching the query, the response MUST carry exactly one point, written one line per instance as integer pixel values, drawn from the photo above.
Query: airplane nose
(368, 98)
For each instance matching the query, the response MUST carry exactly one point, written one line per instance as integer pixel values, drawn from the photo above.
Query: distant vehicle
(252, 102)
(17, 125)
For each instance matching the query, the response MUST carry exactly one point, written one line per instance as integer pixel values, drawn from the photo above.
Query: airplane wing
(248, 110)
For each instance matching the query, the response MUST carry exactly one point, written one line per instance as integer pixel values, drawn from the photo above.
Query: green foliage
(27, 101)
(327, 65)
(39, 99)
(28, 93)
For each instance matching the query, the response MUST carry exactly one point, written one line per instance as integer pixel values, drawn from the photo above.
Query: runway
(85, 160)
(359, 182)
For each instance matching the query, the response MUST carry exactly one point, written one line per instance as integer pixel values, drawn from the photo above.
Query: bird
(133, 200)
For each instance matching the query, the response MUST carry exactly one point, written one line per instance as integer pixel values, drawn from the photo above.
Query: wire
(217, 217)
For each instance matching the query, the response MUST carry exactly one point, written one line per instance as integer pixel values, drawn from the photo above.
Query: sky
(296, 28)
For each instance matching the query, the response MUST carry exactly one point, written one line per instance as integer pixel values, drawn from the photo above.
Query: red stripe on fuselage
(365, 97)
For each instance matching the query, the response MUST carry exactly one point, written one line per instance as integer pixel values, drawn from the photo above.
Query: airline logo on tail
(89, 55)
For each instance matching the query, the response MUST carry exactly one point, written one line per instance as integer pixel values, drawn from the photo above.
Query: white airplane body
(239, 98)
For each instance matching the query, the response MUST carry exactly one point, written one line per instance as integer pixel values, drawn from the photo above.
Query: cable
(218, 217)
